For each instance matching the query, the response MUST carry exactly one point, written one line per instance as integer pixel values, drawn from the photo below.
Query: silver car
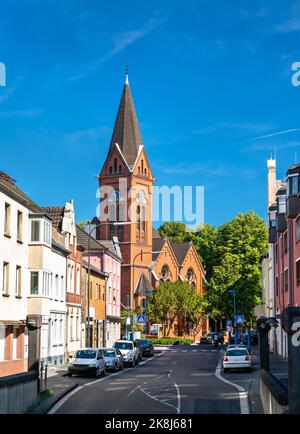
(113, 359)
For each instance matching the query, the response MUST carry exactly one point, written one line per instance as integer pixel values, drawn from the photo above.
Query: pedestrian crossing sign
(239, 319)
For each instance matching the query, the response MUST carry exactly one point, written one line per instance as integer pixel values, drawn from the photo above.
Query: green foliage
(231, 256)
(172, 299)
(171, 341)
(174, 231)
(83, 224)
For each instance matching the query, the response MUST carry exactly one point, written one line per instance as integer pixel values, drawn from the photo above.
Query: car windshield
(109, 353)
(85, 354)
(236, 353)
(123, 345)
(143, 341)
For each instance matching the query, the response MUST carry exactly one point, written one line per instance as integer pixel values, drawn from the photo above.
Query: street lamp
(233, 291)
(89, 273)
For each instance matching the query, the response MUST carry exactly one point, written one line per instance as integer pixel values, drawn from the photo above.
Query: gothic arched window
(165, 272)
(116, 213)
(141, 216)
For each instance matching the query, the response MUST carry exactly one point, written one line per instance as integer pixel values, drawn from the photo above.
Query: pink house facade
(284, 237)
(106, 256)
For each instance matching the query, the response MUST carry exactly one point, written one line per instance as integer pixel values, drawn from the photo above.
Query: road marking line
(108, 389)
(61, 402)
(243, 395)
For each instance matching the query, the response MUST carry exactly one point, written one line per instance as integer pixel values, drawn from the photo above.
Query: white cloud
(274, 134)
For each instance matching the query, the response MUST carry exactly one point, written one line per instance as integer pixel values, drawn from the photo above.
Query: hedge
(172, 341)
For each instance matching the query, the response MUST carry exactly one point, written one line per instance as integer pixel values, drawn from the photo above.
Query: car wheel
(69, 374)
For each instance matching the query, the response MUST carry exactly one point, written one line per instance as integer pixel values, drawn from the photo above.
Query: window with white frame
(46, 284)
(47, 232)
(19, 226)
(78, 280)
(62, 288)
(34, 282)
(18, 291)
(5, 283)
(7, 219)
(56, 286)
(35, 231)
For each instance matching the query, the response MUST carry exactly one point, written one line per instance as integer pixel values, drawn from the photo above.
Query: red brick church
(147, 258)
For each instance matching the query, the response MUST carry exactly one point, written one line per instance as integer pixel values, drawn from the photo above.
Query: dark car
(147, 347)
(207, 339)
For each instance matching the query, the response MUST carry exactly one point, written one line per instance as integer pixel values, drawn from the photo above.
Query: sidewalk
(279, 368)
(59, 386)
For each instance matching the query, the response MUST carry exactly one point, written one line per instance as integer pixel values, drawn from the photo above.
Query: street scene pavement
(178, 380)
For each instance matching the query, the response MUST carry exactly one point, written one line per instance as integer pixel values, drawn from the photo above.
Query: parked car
(237, 358)
(87, 361)
(113, 359)
(207, 338)
(130, 351)
(147, 347)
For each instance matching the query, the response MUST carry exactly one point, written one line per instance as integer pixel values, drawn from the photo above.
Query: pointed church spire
(127, 131)
(126, 79)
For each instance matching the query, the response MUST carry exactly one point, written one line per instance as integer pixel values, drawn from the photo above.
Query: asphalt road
(177, 381)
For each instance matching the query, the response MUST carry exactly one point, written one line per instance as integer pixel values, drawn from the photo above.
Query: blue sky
(211, 82)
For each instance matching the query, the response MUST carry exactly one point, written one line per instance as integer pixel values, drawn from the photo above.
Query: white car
(87, 361)
(113, 359)
(237, 358)
(236, 346)
(129, 350)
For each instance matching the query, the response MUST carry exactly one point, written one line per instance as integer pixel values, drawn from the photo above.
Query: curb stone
(45, 406)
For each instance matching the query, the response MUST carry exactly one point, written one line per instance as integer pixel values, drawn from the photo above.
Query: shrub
(172, 341)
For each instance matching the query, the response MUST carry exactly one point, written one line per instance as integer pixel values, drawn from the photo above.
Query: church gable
(166, 266)
(115, 164)
(142, 166)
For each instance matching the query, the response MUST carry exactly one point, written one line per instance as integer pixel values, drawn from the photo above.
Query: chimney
(272, 183)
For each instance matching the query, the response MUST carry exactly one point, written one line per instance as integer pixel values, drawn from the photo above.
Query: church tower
(126, 184)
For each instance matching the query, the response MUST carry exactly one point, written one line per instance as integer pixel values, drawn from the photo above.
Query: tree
(241, 243)
(176, 299)
(174, 231)
(205, 239)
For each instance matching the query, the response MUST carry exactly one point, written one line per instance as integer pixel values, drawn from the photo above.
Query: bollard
(263, 341)
(291, 325)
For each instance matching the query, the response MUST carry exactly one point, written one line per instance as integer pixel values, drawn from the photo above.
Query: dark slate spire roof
(127, 131)
(143, 285)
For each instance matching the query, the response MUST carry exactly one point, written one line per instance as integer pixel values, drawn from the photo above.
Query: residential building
(96, 305)
(63, 218)
(47, 277)
(15, 208)
(284, 237)
(106, 257)
(127, 177)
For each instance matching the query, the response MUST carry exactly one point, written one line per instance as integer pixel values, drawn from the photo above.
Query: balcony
(272, 235)
(281, 223)
(292, 206)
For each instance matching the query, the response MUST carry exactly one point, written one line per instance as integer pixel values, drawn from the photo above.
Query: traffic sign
(229, 323)
(239, 319)
(141, 319)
